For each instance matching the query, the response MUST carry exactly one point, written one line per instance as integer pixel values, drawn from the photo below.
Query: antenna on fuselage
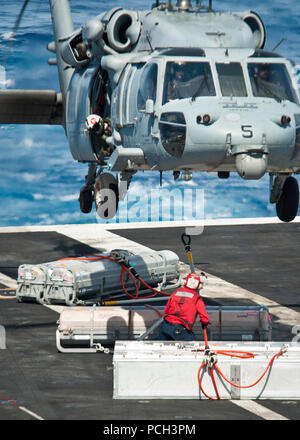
(278, 44)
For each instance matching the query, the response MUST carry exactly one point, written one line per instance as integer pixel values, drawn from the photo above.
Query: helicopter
(179, 87)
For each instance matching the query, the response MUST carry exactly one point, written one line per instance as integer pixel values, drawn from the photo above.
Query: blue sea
(39, 180)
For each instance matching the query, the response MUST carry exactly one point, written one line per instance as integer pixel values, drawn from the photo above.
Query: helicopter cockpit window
(148, 84)
(231, 79)
(271, 80)
(186, 80)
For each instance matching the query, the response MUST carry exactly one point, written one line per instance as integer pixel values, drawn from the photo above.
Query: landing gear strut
(101, 188)
(285, 193)
(105, 189)
(106, 194)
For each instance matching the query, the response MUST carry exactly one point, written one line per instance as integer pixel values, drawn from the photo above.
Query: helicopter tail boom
(30, 107)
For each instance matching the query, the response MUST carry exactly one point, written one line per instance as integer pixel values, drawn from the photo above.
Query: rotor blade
(18, 21)
(3, 60)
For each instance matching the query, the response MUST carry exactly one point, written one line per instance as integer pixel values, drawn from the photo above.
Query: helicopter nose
(246, 142)
(257, 140)
(251, 138)
(251, 161)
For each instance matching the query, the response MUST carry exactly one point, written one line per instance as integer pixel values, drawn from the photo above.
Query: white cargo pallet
(98, 324)
(169, 370)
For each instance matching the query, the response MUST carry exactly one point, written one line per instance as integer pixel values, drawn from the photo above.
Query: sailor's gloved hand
(204, 325)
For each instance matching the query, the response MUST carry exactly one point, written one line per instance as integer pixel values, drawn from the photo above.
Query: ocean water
(39, 180)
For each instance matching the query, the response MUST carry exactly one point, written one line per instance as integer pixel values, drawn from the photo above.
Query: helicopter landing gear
(106, 195)
(86, 196)
(285, 193)
(86, 199)
(287, 205)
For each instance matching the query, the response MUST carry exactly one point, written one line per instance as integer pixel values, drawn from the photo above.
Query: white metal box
(97, 324)
(169, 370)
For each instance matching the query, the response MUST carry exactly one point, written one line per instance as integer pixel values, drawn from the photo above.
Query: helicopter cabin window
(147, 87)
(271, 80)
(172, 127)
(120, 101)
(133, 92)
(231, 79)
(187, 80)
(126, 97)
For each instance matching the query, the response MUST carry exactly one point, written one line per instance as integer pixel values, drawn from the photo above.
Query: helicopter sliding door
(146, 100)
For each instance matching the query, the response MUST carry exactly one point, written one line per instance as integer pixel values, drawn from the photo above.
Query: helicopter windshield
(231, 79)
(271, 80)
(187, 79)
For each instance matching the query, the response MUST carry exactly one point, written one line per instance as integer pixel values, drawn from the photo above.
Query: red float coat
(183, 306)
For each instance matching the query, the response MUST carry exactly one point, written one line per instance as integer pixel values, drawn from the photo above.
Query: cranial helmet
(193, 281)
(94, 122)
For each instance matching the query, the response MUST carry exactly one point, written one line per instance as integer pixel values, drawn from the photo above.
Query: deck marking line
(258, 409)
(22, 408)
(8, 281)
(31, 413)
(142, 225)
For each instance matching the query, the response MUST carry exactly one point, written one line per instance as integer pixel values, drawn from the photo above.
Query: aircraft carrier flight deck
(38, 382)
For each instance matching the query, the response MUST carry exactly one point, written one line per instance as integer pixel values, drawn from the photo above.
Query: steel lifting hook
(186, 240)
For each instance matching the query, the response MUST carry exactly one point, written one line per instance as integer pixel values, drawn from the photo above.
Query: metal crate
(169, 370)
(69, 281)
(89, 326)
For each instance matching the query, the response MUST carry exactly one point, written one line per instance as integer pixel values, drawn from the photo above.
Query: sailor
(102, 129)
(106, 149)
(94, 123)
(267, 84)
(177, 81)
(181, 311)
(264, 73)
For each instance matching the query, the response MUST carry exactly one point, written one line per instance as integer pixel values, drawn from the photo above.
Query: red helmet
(193, 281)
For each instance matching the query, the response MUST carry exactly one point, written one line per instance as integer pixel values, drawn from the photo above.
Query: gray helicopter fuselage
(238, 124)
(178, 87)
(224, 117)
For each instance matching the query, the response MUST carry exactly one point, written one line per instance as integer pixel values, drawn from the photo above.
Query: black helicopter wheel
(106, 195)
(86, 199)
(287, 206)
